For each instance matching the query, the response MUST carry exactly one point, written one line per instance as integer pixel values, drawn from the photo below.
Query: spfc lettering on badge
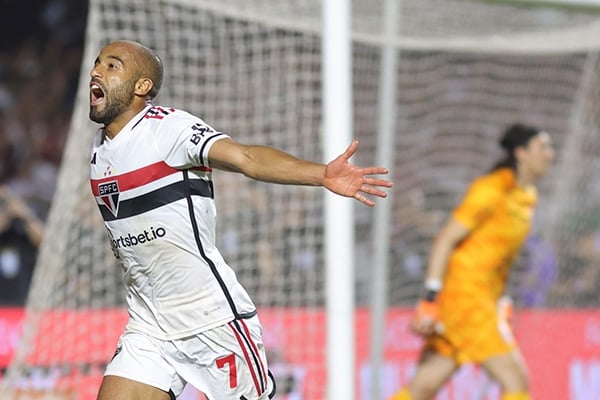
(109, 193)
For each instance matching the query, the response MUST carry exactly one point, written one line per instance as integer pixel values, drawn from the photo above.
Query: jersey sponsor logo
(131, 240)
(109, 194)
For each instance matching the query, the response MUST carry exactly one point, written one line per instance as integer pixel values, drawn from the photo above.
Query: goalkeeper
(190, 320)
(467, 271)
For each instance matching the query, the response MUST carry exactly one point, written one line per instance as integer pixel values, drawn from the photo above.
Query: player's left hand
(349, 180)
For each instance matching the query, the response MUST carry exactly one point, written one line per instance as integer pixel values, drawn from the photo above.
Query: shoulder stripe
(140, 177)
(207, 142)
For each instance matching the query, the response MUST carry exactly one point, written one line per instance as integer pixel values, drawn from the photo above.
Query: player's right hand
(426, 320)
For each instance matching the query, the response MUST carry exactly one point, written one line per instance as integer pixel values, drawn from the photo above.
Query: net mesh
(252, 68)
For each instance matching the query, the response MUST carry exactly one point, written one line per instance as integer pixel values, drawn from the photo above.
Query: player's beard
(117, 101)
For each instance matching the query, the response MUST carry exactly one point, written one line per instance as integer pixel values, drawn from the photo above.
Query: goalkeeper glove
(426, 320)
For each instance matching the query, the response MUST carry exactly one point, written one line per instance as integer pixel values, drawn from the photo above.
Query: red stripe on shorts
(248, 360)
(262, 368)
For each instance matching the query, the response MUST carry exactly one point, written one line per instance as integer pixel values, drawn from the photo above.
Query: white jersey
(152, 183)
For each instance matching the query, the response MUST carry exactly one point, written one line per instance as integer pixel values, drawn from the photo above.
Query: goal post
(338, 214)
(462, 71)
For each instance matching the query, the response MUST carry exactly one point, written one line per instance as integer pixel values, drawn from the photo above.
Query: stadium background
(40, 62)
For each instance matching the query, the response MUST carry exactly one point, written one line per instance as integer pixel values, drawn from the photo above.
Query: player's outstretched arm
(271, 165)
(426, 317)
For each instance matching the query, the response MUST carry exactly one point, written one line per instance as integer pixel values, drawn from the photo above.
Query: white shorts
(225, 363)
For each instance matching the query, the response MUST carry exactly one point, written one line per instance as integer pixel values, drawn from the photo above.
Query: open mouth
(96, 94)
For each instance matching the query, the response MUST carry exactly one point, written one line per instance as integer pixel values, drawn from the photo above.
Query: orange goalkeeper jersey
(498, 215)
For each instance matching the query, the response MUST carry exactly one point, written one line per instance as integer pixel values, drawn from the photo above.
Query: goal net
(252, 68)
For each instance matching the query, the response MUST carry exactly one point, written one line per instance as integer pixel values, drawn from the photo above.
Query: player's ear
(519, 152)
(143, 86)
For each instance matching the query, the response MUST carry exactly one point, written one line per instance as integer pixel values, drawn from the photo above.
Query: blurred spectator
(579, 277)
(539, 275)
(20, 235)
(40, 57)
(290, 378)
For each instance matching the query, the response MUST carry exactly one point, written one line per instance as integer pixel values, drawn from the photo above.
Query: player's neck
(111, 130)
(525, 179)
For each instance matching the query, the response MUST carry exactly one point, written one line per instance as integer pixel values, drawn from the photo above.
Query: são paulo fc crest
(109, 193)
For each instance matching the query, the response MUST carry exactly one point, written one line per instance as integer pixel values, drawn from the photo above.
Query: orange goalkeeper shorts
(473, 331)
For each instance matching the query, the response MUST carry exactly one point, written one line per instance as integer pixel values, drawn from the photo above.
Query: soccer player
(467, 271)
(190, 320)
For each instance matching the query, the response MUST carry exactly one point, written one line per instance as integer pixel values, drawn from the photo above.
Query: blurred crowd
(40, 56)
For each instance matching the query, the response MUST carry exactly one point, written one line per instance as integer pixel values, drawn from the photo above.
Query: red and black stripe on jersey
(153, 199)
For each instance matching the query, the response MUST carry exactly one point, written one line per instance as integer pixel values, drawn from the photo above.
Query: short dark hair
(153, 66)
(515, 135)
